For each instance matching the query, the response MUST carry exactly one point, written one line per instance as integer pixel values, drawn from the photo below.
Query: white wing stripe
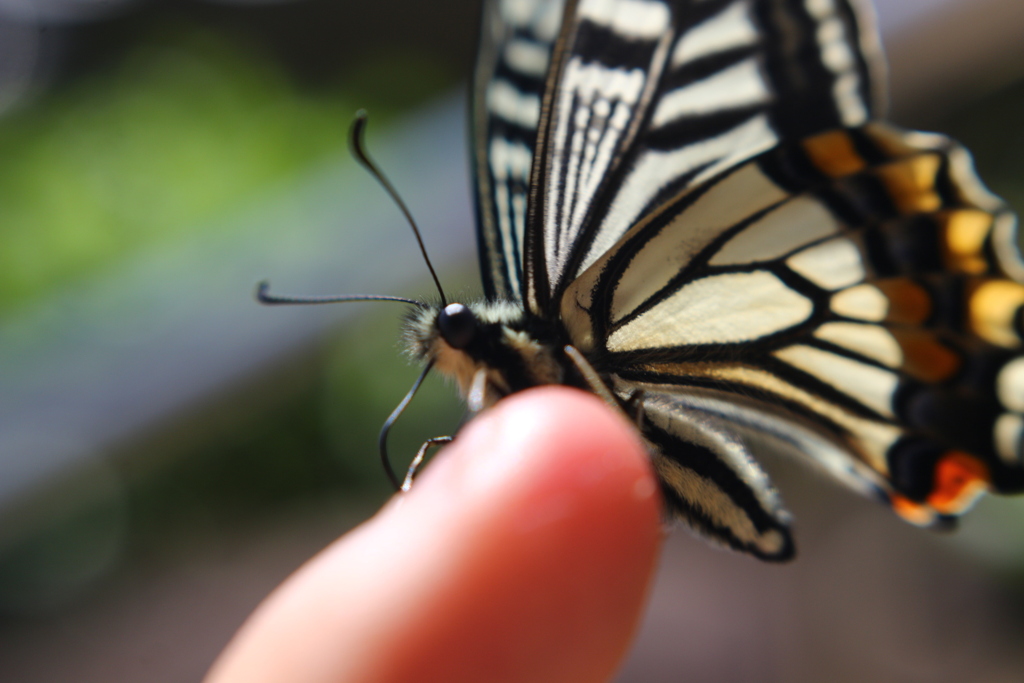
(505, 101)
(780, 231)
(729, 29)
(838, 57)
(740, 85)
(729, 201)
(510, 165)
(1004, 239)
(1010, 385)
(509, 160)
(631, 19)
(604, 146)
(760, 138)
(864, 302)
(777, 434)
(542, 18)
(596, 103)
(1007, 434)
(870, 341)
(874, 437)
(656, 168)
(720, 309)
(527, 57)
(870, 385)
(506, 227)
(831, 265)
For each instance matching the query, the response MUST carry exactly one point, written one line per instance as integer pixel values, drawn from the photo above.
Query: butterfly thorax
(492, 347)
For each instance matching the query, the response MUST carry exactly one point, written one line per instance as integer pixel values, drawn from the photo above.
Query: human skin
(524, 552)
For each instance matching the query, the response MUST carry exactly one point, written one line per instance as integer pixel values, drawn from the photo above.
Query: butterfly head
(457, 325)
(483, 341)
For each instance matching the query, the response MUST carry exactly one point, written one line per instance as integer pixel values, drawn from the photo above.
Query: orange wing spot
(964, 232)
(959, 479)
(915, 513)
(909, 302)
(925, 357)
(911, 183)
(992, 305)
(833, 154)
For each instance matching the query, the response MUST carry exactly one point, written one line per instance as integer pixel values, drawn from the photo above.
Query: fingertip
(564, 435)
(523, 553)
(563, 517)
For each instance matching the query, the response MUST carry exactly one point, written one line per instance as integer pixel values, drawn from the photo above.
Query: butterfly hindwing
(709, 477)
(859, 279)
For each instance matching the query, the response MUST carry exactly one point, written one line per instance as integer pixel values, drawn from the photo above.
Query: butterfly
(692, 209)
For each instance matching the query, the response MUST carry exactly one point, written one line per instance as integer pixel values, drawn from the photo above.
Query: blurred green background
(156, 160)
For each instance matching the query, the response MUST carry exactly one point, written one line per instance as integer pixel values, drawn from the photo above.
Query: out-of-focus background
(170, 450)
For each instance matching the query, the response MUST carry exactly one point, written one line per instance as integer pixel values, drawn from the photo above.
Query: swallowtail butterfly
(691, 208)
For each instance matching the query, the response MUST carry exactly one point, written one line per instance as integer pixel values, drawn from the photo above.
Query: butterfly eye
(457, 325)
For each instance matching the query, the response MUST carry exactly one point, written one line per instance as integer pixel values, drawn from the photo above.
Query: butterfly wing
(650, 97)
(708, 475)
(853, 297)
(512, 69)
(628, 101)
(685, 203)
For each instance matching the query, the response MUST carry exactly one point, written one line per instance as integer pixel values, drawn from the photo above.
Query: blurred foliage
(304, 431)
(318, 435)
(187, 126)
(78, 537)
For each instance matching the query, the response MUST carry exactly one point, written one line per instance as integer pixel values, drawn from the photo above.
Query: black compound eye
(457, 325)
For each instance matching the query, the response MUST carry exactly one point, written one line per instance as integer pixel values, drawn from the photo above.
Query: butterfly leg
(477, 392)
(635, 407)
(414, 466)
(590, 376)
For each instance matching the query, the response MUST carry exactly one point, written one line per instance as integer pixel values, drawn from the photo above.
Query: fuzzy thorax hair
(509, 356)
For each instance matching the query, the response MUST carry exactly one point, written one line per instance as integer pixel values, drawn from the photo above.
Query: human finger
(523, 553)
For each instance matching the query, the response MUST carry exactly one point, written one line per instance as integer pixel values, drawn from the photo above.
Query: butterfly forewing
(647, 97)
(512, 68)
(741, 76)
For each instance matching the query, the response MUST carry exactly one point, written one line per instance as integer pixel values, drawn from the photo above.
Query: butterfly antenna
(358, 148)
(264, 296)
(382, 441)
